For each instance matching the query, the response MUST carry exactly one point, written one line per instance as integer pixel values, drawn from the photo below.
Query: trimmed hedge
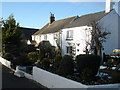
(45, 63)
(66, 66)
(88, 61)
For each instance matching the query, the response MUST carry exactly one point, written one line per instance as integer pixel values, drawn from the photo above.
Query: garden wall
(51, 80)
(5, 62)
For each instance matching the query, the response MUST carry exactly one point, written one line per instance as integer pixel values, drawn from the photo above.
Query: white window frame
(69, 34)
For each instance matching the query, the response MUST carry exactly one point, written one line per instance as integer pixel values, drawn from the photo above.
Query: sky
(36, 14)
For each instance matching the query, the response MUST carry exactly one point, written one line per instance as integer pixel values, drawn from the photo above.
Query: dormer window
(69, 35)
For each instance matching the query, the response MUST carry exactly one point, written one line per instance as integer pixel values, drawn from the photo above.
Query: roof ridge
(65, 18)
(92, 13)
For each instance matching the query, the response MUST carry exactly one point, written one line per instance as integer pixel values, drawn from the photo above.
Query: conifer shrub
(66, 66)
(88, 61)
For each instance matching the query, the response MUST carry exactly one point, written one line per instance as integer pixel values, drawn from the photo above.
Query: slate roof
(86, 19)
(70, 22)
(28, 32)
(55, 26)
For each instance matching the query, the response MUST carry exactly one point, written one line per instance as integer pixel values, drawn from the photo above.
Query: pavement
(10, 81)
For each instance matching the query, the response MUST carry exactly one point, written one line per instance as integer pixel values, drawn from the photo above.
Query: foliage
(32, 56)
(66, 66)
(45, 63)
(11, 35)
(86, 75)
(88, 61)
(8, 56)
(57, 62)
(45, 49)
(22, 61)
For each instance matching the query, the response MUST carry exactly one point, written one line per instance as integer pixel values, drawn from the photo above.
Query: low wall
(51, 80)
(29, 76)
(5, 62)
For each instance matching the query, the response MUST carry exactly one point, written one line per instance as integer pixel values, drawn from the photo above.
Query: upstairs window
(69, 34)
(45, 37)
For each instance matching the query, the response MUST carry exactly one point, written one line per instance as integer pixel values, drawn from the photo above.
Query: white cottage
(71, 34)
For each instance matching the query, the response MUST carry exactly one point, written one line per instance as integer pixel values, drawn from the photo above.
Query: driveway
(9, 80)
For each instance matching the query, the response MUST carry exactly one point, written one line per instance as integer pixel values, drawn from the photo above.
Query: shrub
(8, 56)
(88, 61)
(45, 63)
(45, 49)
(22, 60)
(66, 66)
(57, 61)
(32, 56)
(86, 75)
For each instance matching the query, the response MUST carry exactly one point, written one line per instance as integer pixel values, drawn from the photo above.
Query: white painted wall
(80, 35)
(50, 38)
(110, 23)
(54, 81)
(51, 80)
(5, 62)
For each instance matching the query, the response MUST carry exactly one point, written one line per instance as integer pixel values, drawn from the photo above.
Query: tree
(98, 36)
(11, 35)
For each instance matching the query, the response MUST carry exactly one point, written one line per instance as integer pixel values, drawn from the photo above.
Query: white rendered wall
(54, 81)
(5, 62)
(50, 38)
(51, 80)
(110, 23)
(80, 35)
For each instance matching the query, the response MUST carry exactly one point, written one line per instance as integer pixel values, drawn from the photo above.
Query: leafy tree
(11, 35)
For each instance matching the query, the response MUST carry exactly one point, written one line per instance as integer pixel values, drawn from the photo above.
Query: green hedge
(88, 61)
(66, 66)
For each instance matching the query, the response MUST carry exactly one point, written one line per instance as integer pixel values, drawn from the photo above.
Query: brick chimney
(52, 18)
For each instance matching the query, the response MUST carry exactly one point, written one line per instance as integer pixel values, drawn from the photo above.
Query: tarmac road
(9, 80)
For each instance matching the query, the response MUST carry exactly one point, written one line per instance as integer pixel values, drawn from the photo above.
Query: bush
(22, 61)
(32, 56)
(45, 63)
(88, 61)
(45, 49)
(86, 75)
(8, 56)
(66, 66)
(57, 61)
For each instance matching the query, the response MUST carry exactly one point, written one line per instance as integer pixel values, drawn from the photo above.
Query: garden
(85, 68)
